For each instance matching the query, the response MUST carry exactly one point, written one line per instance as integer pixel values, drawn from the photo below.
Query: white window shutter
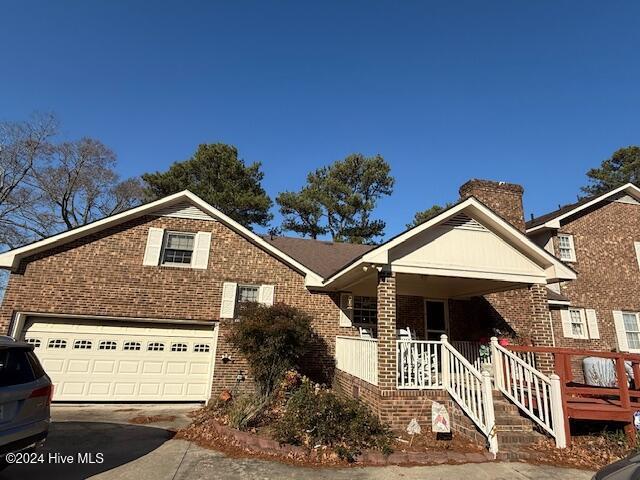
(201, 248)
(567, 331)
(637, 247)
(265, 294)
(154, 247)
(621, 333)
(346, 313)
(573, 248)
(592, 322)
(228, 302)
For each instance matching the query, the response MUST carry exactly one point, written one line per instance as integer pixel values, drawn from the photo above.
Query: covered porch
(423, 306)
(412, 325)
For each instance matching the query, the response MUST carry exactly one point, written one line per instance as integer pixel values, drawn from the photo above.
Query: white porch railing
(418, 364)
(470, 351)
(471, 389)
(438, 365)
(533, 392)
(358, 357)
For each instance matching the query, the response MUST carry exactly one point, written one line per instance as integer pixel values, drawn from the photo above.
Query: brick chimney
(503, 198)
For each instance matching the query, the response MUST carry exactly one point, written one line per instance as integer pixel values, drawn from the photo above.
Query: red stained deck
(583, 402)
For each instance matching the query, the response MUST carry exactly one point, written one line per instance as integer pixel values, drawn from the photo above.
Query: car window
(15, 367)
(38, 371)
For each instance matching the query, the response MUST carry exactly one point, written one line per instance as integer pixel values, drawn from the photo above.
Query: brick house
(136, 307)
(599, 237)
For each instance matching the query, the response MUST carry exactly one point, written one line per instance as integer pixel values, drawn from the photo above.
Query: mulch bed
(426, 449)
(588, 452)
(146, 419)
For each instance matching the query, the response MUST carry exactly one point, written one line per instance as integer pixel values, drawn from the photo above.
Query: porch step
(512, 427)
(510, 439)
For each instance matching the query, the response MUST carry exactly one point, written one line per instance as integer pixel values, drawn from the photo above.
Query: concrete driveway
(149, 452)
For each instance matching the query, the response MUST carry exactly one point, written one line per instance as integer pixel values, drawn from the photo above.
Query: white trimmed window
(632, 329)
(131, 346)
(578, 323)
(247, 294)
(178, 248)
(179, 347)
(365, 310)
(566, 249)
(57, 343)
(82, 345)
(34, 341)
(107, 345)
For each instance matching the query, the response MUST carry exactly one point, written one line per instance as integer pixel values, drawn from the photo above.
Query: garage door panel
(73, 388)
(176, 368)
(94, 361)
(124, 389)
(98, 388)
(104, 366)
(173, 389)
(128, 366)
(78, 366)
(152, 367)
(53, 365)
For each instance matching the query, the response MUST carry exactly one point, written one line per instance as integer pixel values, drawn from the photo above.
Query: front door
(436, 318)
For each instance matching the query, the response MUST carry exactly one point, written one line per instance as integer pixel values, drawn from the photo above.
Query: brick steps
(512, 428)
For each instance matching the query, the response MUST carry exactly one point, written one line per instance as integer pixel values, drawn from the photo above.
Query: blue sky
(528, 92)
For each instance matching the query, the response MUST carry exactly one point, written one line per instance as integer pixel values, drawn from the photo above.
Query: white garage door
(113, 361)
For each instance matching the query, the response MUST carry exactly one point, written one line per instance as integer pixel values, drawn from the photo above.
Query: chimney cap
(478, 183)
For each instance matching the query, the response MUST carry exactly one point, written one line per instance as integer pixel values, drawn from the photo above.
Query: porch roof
(466, 241)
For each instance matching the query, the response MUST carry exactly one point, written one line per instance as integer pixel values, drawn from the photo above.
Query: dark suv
(25, 399)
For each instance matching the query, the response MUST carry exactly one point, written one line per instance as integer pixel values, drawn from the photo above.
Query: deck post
(496, 358)
(446, 373)
(557, 413)
(489, 413)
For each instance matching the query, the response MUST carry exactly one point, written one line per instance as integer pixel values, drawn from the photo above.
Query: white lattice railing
(419, 364)
(537, 395)
(358, 357)
(471, 389)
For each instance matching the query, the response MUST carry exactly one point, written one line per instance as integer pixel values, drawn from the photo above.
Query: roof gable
(181, 203)
(466, 219)
(627, 193)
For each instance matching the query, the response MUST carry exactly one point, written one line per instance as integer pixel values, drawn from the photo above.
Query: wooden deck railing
(582, 402)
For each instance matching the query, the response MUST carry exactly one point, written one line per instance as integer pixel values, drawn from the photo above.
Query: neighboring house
(599, 237)
(137, 306)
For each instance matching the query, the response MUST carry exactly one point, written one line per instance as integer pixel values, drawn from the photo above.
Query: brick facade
(607, 268)
(102, 274)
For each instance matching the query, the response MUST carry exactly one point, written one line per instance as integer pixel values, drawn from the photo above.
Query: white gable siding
(466, 251)
(183, 210)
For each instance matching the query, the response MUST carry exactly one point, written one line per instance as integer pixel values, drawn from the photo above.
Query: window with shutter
(566, 250)
(346, 310)
(153, 249)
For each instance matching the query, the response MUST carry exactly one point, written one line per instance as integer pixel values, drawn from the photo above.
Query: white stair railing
(471, 389)
(537, 395)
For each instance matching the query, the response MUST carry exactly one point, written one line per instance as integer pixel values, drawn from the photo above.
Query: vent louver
(464, 222)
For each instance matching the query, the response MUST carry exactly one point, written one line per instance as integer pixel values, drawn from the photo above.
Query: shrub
(272, 339)
(319, 417)
(243, 411)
